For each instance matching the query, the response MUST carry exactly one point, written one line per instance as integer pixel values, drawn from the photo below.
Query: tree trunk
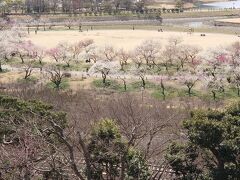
(238, 90)
(57, 83)
(122, 172)
(163, 90)
(125, 85)
(104, 78)
(214, 95)
(189, 91)
(182, 64)
(21, 57)
(86, 156)
(166, 67)
(27, 73)
(1, 70)
(138, 65)
(59, 133)
(143, 82)
(221, 174)
(122, 66)
(27, 174)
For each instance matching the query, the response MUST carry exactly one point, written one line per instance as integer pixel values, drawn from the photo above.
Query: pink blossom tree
(215, 60)
(169, 56)
(25, 50)
(54, 53)
(28, 55)
(187, 54)
(214, 71)
(86, 43)
(80, 47)
(61, 53)
(109, 53)
(149, 50)
(67, 53)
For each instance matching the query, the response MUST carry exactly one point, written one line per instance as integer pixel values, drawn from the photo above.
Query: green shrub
(63, 86)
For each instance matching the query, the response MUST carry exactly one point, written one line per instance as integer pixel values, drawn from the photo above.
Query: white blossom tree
(105, 68)
(123, 57)
(234, 77)
(162, 79)
(56, 75)
(175, 40)
(137, 59)
(9, 40)
(141, 73)
(109, 53)
(215, 85)
(233, 52)
(40, 54)
(92, 53)
(189, 80)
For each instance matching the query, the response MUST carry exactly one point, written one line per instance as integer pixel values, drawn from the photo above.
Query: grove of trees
(215, 71)
(40, 141)
(91, 134)
(211, 149)
(115, 137)
(71, 6)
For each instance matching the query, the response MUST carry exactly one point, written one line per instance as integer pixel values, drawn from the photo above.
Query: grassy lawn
(173, 28)
(79, 66)
(170, 92)
(202, 13)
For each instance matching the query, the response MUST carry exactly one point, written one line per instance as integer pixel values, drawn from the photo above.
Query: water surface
(229, 4)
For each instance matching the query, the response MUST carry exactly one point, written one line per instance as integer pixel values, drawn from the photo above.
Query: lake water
(229, 4)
